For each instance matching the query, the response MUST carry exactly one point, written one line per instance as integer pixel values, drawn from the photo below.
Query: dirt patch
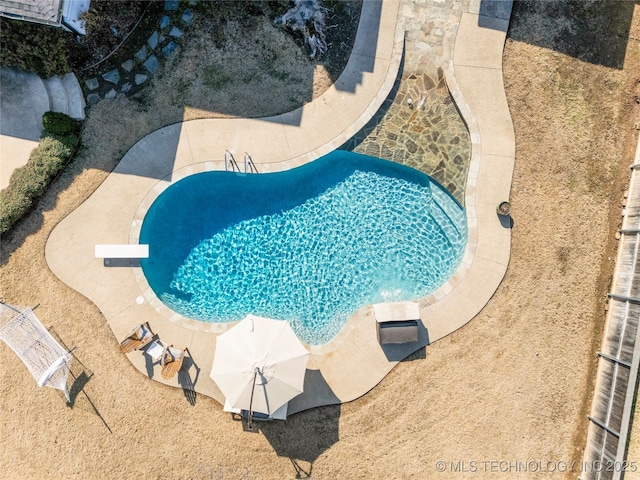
(573, 112)
(222, 74)
(513, 384)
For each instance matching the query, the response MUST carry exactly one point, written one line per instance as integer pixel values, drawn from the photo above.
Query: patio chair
(171, 361)
(138, 337)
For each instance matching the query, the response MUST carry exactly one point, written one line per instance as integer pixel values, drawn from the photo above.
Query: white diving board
(122, 251)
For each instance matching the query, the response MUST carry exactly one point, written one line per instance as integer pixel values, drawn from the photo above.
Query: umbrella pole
(255, 375)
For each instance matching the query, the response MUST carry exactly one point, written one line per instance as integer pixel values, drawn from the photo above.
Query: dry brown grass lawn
(513, 384)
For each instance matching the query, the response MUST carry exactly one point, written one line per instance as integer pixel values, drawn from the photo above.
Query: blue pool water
(310, 245)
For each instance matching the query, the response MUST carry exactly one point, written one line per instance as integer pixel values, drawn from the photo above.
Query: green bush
(57, 123)
(30, 181)
(33, 47)
(12, 208)
(58, 145)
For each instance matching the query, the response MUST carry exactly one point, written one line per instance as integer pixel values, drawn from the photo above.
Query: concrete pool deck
(353, 362)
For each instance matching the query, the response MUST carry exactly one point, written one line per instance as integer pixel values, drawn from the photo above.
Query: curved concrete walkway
(23, 101)
(353, 362)
(24, 98)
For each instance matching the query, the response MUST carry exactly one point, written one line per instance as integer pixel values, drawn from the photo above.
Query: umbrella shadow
(303, 437)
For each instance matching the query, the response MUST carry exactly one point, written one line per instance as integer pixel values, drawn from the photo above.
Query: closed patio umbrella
(259, 364)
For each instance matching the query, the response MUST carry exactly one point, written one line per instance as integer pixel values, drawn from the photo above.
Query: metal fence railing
(619, 358)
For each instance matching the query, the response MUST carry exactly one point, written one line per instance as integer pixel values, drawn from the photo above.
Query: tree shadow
(594, 32)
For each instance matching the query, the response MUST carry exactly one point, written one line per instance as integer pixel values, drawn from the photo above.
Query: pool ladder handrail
(230, 160)
(249, 166)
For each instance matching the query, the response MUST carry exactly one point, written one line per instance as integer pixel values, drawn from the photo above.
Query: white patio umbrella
(259, 364)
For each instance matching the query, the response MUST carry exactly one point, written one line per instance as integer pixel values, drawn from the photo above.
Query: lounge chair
(171, 361)
(137, 338)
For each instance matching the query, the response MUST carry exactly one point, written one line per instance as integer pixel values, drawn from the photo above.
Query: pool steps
(443, 215)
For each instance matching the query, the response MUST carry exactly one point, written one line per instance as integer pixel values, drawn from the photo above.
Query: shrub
(58, 145)
(32, 47)
(108, 22)
(30, 181)
(57, 123)
(13, 207)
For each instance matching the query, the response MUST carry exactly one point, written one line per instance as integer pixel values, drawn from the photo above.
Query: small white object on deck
(122, 251)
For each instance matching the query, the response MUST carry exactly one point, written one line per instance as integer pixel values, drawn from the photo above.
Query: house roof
(46, 11)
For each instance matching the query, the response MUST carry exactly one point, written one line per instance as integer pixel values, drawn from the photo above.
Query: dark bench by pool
(398, 331)
(397, 322)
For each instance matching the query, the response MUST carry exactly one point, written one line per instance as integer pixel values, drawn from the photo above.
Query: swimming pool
(309, 245)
